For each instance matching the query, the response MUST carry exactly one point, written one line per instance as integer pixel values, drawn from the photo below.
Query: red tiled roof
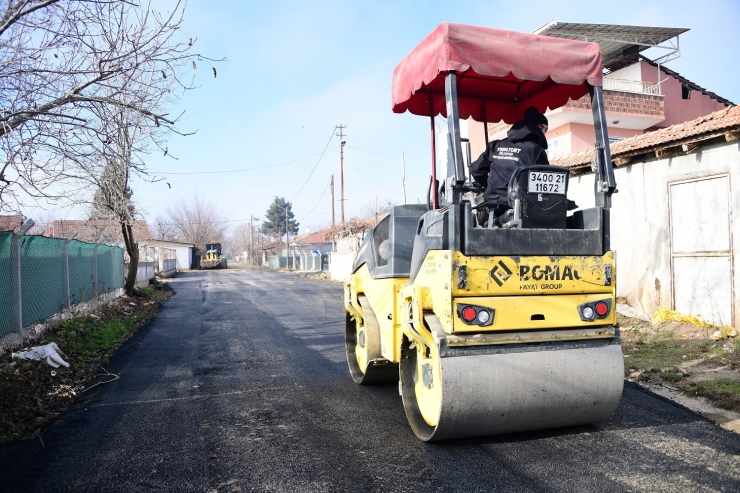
(317, 237)
(92, 230)
(11, 223)
(706, 127)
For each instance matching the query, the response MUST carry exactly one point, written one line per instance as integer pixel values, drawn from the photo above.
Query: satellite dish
(308, 231)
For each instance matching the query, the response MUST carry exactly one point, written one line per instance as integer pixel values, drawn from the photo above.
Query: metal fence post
(113, 262)
(95, 267)
(15, 271)
(65, 268)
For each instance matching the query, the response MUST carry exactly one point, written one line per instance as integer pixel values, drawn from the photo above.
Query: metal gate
(701, 248)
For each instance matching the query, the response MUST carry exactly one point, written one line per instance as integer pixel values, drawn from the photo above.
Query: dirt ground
(32, 393)
(683, 358)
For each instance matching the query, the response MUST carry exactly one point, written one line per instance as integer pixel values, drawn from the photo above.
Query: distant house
(320, 241)
(11, 222)
(184, 252)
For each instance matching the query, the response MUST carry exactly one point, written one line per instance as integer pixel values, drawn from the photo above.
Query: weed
(148, 292)
(672, 376)
(723, 385)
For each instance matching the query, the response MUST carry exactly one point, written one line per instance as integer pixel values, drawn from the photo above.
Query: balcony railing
(635, 86)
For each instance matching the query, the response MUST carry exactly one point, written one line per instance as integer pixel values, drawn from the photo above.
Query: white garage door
(701, 255)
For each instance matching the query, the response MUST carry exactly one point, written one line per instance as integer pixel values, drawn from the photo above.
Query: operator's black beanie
(535, 116)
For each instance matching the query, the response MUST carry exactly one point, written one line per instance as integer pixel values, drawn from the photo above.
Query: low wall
(144, 272)
(168, 267)
(340, 264)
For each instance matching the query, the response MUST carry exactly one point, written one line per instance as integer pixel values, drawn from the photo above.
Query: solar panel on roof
(616, 42)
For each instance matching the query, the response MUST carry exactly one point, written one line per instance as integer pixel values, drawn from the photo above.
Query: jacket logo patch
(500, 273)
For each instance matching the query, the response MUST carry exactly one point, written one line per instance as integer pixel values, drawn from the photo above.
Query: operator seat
(538, 197)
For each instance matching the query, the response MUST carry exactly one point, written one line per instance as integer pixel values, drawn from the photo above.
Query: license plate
(545, 182)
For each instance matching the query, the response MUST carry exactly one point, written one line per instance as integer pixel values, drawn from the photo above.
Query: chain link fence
(42, 276)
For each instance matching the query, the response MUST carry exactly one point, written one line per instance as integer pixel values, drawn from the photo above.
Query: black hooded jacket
(524, 144)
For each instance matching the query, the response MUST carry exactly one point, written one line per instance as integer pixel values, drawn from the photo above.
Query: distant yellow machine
(213, 259)
(492, 327)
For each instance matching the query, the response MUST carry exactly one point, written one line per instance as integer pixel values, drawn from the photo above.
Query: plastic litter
(50, 354)
(723, 332)
(662, 315)
(628, 311)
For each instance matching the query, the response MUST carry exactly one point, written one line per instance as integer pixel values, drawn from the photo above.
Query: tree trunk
(132, 248)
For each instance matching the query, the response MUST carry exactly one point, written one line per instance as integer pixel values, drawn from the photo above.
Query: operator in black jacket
(525, 143)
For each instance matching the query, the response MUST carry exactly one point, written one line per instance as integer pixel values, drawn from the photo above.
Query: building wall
(642, 231)
(582, 137)
(575, 137)
(631, 72)
(678, 110)
(184, 257)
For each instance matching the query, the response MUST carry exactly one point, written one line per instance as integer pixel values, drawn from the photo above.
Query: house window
(559, 146)
(685, 92)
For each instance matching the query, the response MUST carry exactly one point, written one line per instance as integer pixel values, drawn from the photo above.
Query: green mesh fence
(89, 271)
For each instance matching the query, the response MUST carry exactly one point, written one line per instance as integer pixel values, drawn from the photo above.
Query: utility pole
(403, 177)
(287, 241)
(333, 222)
(276, 224)
(251, 239)
(341, 163)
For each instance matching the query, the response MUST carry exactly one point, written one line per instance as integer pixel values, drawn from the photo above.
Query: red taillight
(601, 308)
(468, 314)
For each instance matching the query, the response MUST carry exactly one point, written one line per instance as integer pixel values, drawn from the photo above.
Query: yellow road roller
(502, 326)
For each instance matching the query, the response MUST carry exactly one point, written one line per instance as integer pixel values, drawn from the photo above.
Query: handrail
(636, 86)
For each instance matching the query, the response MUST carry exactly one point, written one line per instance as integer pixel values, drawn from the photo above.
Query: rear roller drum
(362, 342)
(495, 390)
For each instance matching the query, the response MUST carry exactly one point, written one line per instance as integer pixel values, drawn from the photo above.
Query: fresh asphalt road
(241, 382)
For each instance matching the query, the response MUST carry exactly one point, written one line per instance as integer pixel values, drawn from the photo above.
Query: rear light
(587, 312)
(595, 310)
(475, 315)
(468, 314)
(601, 309)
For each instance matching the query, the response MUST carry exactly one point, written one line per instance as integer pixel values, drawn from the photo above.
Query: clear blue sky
(296, 69)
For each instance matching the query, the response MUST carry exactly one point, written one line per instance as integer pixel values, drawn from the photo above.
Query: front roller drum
(362, 343)
(488, 394)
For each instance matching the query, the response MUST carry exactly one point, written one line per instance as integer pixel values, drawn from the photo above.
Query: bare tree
(242, 238)
(61, 61)
(44, 223)
(163, 229)
(198, 222)
(124, 129)
(375, 209)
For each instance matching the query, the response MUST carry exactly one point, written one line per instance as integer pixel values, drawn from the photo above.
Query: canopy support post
(604, 183)
(485, 122)
(455, 177)
(435, 188)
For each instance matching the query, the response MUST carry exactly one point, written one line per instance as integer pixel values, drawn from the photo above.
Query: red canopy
(495, 69)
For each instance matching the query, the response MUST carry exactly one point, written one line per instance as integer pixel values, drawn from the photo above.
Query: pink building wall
(677, 109)
(583, 136)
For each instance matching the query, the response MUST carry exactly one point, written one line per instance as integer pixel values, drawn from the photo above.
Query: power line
(363, 174)
(235, 170)
(317, 203)
(314, 168)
